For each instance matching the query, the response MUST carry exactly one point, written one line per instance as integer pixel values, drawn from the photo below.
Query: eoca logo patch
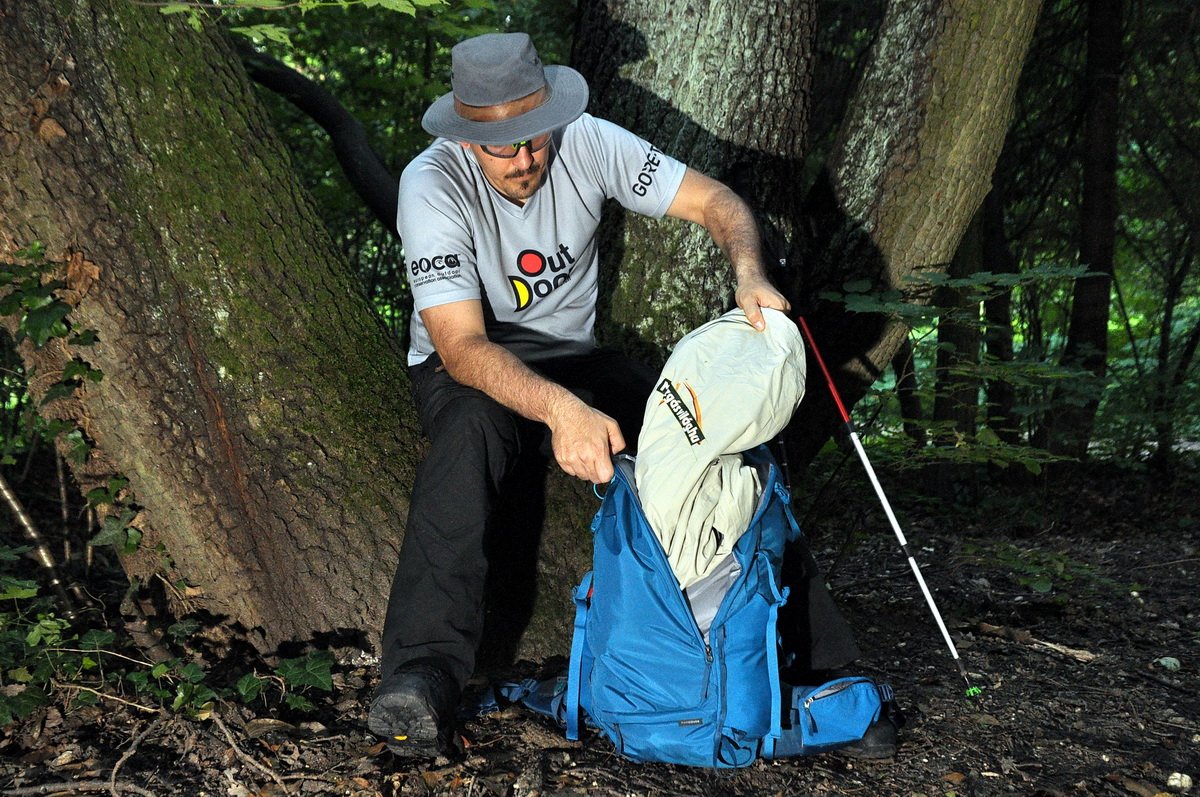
(424, 265)
(540, 276)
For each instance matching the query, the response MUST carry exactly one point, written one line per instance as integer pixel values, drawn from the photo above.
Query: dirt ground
(1074, 609)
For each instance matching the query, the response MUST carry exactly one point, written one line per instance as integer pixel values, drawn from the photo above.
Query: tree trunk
(956, 392)
(667, 71)
(1070, 421)
(998, 331)
(956, 396)
(907, 173)
(248, 392)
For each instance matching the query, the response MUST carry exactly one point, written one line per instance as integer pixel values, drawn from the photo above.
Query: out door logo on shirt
(689, 423)
(542, 275)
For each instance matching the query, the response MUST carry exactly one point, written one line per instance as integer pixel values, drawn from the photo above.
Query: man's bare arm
(729, 221)
(584, 439)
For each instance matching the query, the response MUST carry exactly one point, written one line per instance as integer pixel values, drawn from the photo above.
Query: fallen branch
(76, 786)
(128, 754)
(245, 757)
(1026, 638)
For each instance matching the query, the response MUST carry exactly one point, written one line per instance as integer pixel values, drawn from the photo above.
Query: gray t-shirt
(533, 266)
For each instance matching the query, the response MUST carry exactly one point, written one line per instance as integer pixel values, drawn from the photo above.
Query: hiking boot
(414, 710)
(880, 741)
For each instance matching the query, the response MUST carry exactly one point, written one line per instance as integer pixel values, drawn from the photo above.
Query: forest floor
(1075, 609)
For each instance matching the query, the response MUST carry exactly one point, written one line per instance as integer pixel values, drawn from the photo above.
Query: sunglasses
(510, 150)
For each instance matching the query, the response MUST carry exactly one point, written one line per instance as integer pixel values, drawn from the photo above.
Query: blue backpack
(692, 677)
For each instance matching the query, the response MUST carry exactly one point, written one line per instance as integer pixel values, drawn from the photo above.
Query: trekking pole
(972, 691)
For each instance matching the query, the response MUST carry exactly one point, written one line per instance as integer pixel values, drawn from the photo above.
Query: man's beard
(525, 182)
(533, 170)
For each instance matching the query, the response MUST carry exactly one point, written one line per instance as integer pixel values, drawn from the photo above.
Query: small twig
(1026, 638)
(245, 757)
(97, 693)
(1166, 564)
(128, 754)
(106, 652)
(74, 787)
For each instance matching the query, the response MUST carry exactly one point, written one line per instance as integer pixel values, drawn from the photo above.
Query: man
(498, 218)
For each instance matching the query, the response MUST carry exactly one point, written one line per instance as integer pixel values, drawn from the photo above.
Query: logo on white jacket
(541, 275)
(689, 423)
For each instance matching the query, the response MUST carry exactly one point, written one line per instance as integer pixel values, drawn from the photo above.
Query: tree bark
(248, 392)
(907, 172)
(667, 71)
(1071, 419)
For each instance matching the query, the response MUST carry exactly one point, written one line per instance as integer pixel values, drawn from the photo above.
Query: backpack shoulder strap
(574, 672)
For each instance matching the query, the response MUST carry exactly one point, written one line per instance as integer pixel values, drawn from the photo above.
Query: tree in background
(1069, 422)
(906, 171)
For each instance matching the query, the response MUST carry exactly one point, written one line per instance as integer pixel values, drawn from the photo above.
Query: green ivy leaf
(298, 702)
(87, 337)
(45, 322)
(112, 532)
(1041, 585)
(183, 629)
(8, 554)
(96, 639)
(78, 447)
(133, 538)
(313, 669)
(249, 687)
(20, 705)
(85, 699)
(21, 675)
(192, 673)
(99, 496)
(175, 8)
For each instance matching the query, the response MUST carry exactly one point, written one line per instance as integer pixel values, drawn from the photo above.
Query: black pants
(436, 609)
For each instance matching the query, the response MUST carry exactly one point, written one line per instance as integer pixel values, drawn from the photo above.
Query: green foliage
(197, 13)
(312, 669)
(1055, 574)
(42, 316)
(44, 658)
(32, 297)
(1033, 378)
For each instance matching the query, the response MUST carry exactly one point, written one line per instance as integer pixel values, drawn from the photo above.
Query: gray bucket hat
(496, 68)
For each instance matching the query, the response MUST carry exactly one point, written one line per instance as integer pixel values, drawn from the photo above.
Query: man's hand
(584, 440)
(755, 292)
